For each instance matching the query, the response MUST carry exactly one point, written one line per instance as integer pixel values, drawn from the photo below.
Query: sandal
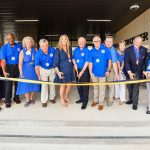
(26, 104)
(32, 102)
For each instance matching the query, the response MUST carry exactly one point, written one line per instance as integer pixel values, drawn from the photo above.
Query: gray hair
(43, 41)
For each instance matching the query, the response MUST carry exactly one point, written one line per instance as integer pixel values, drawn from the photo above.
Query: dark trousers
(13, 73)
(83, 90)
(2, 85)
(134, 93)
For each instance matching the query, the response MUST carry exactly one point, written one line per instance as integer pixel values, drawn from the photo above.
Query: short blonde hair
(27, 38)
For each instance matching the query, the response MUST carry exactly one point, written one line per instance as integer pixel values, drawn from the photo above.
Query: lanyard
(68, 53)
(13, 50)
(137, 54)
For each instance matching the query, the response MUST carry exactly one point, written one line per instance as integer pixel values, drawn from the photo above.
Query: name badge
(19, 49)
(28, 53)
(51, 54)
(137, 62)
(103, 51)
(31, 63)
(47, 64)
(82, 54)
(69, 60)
(78, 61)
(13, 58)
(97, 60)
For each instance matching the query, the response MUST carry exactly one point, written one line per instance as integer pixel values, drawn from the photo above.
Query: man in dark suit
(135, 59)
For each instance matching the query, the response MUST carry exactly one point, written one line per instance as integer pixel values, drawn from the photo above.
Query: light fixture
(98, 20)
(91, 34)
(52, 35)
(33, 20)
(134, 7)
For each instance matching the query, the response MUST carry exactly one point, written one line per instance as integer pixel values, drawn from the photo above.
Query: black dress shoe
(129, 102)
(134, 107)
(8, 105)
(17, 100)
(147, 111)
(83, 106)
(78, 102)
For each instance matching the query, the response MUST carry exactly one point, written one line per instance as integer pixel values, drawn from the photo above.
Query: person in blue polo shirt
(99, 66)
(80, 61)
(45, 71)
(10, 58)
(108, 45)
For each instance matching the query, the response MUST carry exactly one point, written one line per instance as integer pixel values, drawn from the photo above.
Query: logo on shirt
(82, 54)
(103, 51)
(19, 49)
(28, 53)
(97, 60)
(78, 61)
(51, 54)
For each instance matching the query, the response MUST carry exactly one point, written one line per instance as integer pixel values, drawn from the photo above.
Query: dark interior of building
(55, 17)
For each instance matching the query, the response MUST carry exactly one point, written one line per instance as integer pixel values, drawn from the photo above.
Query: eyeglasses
(96, 41)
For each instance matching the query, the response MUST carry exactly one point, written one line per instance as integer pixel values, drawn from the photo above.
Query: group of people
(62, 65)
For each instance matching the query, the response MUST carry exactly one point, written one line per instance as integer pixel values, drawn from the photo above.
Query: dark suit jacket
(130, 61)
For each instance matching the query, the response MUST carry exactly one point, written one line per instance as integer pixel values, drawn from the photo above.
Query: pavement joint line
(74, 137)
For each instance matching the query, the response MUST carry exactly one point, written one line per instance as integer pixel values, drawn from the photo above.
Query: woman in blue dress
(64, 68)
(27, 71)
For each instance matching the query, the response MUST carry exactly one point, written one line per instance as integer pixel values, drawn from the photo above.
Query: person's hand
(120, 71)
(107, 74)
(145, 73)
(131, 75)
(21, 75)
(80, 74)
(6, 74)
(92, 75)
(60, 75)
(39, 78)
(116, 77)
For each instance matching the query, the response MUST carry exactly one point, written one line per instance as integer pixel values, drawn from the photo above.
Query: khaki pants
(99, 90)
(47, 91)
(110, 88)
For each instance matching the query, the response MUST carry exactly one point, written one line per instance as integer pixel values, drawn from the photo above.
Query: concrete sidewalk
(57, 127)
(57, 112)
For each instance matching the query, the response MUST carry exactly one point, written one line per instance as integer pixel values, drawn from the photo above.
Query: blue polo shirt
(100, 59)
(45, 60)
(112, 52)
(11, 54)
(81, 56)
(120, 58)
